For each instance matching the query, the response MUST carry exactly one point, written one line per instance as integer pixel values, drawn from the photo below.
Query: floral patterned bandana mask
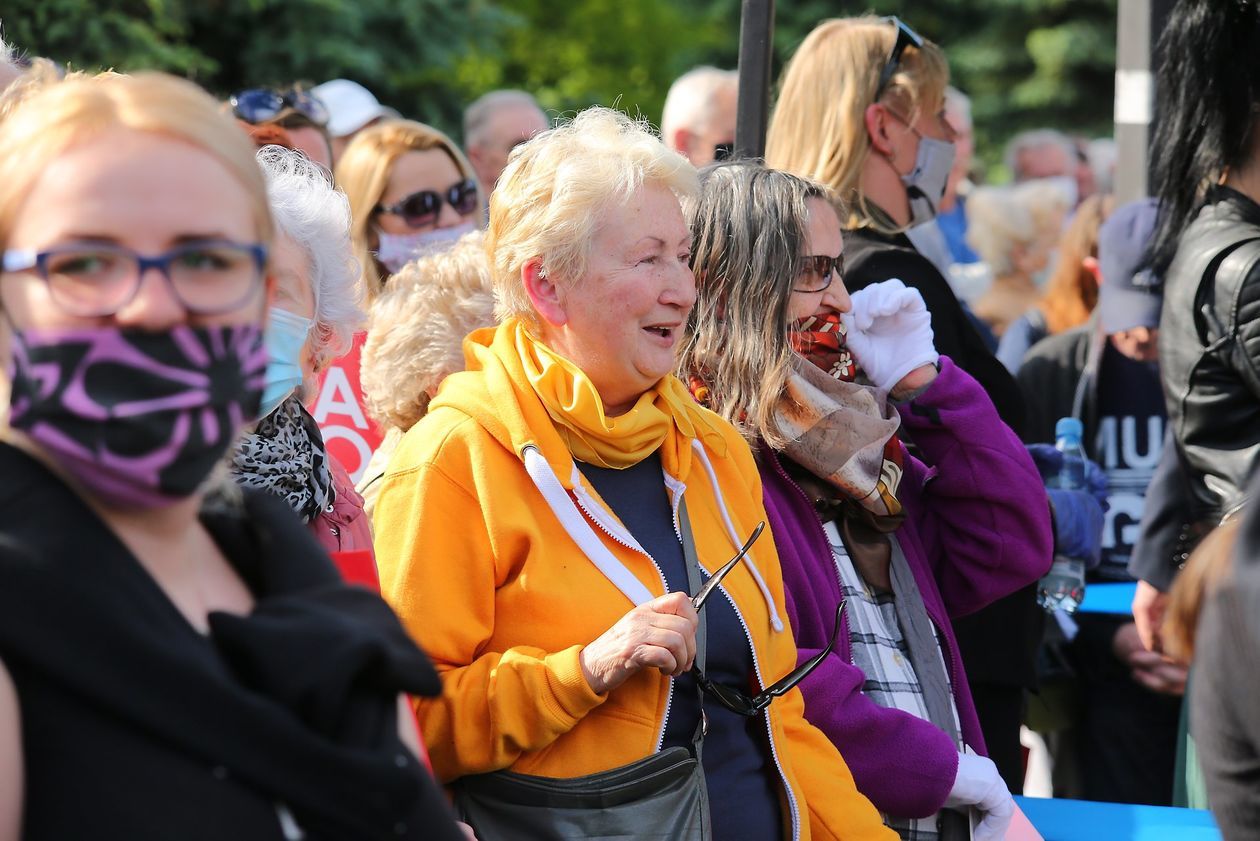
(821, 340)
(137, 418)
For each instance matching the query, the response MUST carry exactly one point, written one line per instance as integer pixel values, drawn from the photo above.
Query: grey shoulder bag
(662, 796)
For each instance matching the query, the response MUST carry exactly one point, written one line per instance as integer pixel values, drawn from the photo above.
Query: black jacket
(138, 727)
(998, 643)
(1210, 351)
(871, 257)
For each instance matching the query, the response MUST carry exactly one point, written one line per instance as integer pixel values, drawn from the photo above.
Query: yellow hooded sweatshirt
(503, 563)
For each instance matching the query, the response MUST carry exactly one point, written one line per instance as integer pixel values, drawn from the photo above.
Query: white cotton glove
(978, 785)
(889, 332)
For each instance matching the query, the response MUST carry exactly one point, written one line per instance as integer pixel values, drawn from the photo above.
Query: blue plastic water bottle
(1063, 587)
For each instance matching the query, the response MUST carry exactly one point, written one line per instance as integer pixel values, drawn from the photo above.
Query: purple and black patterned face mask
(139, 419)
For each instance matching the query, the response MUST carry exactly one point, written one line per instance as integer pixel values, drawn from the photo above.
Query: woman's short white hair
(312, 212)
(417, 326)
(550, 200)
(1001, 218)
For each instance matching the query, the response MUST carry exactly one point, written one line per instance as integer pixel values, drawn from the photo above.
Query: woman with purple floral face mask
(164, 636)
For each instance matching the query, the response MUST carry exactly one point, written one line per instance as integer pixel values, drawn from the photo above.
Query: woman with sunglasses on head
(411, 191)
(176, 651)
(779, 349)
(297, 113)
(541, 528)
(861, 111)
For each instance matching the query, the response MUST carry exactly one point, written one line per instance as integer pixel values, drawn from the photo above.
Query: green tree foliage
(1026, 63)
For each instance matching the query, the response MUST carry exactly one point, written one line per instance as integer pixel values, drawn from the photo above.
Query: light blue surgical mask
(286, 333)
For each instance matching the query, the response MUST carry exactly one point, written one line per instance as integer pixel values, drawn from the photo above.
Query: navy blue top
(742, 780)
(1129, 443)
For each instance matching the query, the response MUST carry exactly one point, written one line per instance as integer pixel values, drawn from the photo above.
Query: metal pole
(1135, 93)
(756, 36)
(1140, 23)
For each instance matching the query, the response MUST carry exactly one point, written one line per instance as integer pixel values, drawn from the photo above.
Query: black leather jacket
(1209, 351)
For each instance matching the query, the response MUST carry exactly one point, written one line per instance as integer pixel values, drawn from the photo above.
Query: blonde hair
(1072, 291)
(363, 174)
(1000, 219)
(550, 199)
(61, 116)
(749, 228)
(818, 128)
(417, 327)
(1210, 565)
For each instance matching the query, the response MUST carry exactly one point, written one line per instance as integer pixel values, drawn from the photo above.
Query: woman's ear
(876, 119)
(544, 293)
(1091, 265)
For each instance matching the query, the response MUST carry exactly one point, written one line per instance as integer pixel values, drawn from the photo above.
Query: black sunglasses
(906, 37)
(746, 705)
(818, 271)
(262, 105)
(421, 208)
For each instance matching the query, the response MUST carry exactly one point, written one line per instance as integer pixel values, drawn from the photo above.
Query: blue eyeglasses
(207, 277)
(906, 37)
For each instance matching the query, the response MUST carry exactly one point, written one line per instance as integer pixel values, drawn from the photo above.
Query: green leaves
(1025, 63)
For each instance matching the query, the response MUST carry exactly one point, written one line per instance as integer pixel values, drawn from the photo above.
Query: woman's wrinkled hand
(658, 635)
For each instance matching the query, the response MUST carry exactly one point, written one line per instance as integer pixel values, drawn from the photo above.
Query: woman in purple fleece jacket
(778, 348)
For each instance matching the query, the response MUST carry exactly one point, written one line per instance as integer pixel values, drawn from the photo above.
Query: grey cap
(1129, 296)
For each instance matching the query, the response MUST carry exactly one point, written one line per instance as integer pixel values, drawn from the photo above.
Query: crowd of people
(693, 496)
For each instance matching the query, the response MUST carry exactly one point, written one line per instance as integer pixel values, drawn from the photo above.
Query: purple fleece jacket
(977, 527)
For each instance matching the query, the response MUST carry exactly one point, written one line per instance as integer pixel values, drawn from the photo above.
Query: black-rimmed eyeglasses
(906, 37)
(98, 279)
(749, 705)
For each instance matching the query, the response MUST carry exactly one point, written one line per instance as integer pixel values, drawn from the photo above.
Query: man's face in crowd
(700, 145)
(508, 126)
(1045, 162)
(1141, 344)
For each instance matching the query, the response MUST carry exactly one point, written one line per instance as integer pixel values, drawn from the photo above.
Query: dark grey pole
(756, 36)
(1140, 22)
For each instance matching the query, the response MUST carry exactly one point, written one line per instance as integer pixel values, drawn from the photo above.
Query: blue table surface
(1082, 820)
(1109, 598)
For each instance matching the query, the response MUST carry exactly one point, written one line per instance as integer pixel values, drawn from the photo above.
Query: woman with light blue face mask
(314, 313)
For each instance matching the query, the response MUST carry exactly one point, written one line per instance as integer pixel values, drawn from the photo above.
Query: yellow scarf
(578, 413)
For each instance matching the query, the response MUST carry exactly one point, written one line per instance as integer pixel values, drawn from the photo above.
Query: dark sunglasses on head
(906, 37)
(421, 208)
(262, 105)
(818, 271)
(749, 705)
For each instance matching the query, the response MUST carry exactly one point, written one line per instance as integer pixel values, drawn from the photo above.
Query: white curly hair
(417, 328)
(312, 212)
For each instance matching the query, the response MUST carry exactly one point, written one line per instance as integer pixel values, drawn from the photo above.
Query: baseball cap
(350, 106)
(1129, 295)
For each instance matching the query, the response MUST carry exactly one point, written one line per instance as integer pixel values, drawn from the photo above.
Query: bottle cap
(1070, 427)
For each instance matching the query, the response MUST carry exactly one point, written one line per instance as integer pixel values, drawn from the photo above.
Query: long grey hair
(749, 226)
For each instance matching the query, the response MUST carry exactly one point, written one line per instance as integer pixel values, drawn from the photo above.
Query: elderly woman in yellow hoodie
(531, 528)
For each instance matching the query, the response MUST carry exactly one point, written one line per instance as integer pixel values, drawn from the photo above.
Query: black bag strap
(694, 583)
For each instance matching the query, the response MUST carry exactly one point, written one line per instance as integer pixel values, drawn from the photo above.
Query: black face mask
(139, 419)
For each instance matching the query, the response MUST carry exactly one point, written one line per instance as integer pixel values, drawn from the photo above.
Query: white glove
(889, 332)
(978, 784)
